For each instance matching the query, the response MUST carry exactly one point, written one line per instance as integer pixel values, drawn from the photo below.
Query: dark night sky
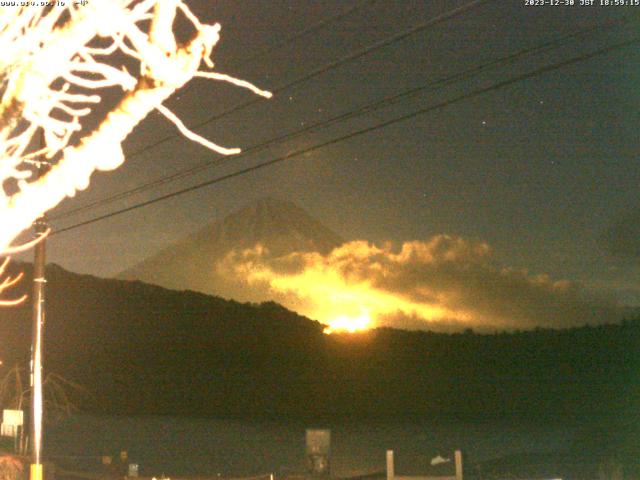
(545, 170)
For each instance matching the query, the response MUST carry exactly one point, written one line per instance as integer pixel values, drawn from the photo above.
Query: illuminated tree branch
(8, 282)
(55, 61)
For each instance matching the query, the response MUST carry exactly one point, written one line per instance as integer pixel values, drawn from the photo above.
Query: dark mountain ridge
(142, 349)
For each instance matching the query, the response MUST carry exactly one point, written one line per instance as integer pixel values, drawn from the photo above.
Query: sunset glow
(344, 323)
(442, 282)
(347, 289)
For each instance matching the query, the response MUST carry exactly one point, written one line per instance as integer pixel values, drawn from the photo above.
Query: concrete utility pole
(38, 317)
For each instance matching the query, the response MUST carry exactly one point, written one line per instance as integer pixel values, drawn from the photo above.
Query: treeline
(142, 349)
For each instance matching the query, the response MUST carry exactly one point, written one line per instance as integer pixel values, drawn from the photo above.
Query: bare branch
(42, 48)
(194, 136)
(24, 247)
(235, 81)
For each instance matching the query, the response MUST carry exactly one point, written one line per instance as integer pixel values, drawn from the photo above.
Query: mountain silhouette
(143, 349)
(280, 227)
(140, 349)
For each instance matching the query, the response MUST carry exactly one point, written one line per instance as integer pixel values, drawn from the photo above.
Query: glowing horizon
(349, 324)
(443, 281)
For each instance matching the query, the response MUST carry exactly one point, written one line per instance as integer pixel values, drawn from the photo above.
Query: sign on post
(318, 452)
(12, 420)
(133, 470)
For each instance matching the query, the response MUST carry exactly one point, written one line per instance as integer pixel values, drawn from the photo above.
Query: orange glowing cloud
(422, 284)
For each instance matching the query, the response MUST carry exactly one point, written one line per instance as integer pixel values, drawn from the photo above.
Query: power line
(448, 15)
(363, 131)
(365, 109)
(307, 31)
(296, 36)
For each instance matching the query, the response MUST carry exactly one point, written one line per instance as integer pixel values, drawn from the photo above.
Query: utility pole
(38, 317)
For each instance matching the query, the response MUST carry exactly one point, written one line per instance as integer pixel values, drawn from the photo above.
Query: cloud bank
(444, 282)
